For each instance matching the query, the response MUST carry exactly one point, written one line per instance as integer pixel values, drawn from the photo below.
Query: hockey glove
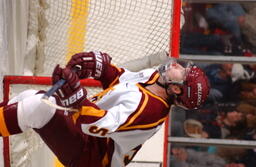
(90, 64)
(71, 93)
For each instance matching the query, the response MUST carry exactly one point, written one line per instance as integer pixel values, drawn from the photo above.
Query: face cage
(163, 72)
(166, 67)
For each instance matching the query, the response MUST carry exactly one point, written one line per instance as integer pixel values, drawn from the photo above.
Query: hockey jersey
(128, 114)
(107, 132)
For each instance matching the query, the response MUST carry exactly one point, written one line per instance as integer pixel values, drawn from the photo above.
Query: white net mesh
(3, 42)
(125, 29)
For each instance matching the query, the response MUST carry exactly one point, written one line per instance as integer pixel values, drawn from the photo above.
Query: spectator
(191, 158)
(251, 68)
(228, 122)
(239, 72)
(249, 158)
(194, 128)
(248, 27)
(220, 79)
(237, 157)
(246, 91)
(195, 35)
(226, 157)
(250, 114)
(228, 16)
(223, 157)
(215, 29)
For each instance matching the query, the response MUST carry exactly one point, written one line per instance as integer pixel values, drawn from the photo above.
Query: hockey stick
(51, 91)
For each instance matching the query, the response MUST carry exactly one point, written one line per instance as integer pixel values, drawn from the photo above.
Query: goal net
(129, 31)
(126, 30)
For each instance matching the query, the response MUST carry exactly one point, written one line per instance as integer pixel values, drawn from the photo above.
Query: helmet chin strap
(170, 97)
(165, 86)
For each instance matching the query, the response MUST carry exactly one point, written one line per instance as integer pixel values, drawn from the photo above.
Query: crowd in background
(219, 29)
(230, 111)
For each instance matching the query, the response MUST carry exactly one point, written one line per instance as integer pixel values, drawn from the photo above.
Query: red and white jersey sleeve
(127, 113)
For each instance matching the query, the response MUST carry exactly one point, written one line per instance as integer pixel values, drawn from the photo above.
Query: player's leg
(64, 139)
(24, 111)
(57, 130)
(72, 147)
(8, 120)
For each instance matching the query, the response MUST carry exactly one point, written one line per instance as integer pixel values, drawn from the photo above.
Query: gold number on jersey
(97, 130)
(129, 156)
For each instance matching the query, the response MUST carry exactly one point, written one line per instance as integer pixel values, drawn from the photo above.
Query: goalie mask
(191, 79)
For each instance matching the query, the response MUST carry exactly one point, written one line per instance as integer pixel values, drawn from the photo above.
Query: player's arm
(96, 65)
(91, 119)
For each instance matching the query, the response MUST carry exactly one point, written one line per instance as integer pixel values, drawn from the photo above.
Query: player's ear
(175, 89)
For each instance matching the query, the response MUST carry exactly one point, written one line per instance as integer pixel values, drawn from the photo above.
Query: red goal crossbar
(36, 80)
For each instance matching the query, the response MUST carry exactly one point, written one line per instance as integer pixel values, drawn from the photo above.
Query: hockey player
(109, 129)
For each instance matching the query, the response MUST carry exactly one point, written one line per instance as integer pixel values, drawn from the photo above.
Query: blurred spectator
(191, 158)
(200, 44)
(229, 121)
(216, 29)
(239, 72)
(249, 111)
(232, 156)
(194, 128)
(195, 34)
(207, 117)
(228, 16)
(245, 91)
(244, 82)
(251, 69)
(249, 158)
(232, 122)
(221, 82)
(248, 27)
(235, 165)
(242, 156)
(225, 157)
